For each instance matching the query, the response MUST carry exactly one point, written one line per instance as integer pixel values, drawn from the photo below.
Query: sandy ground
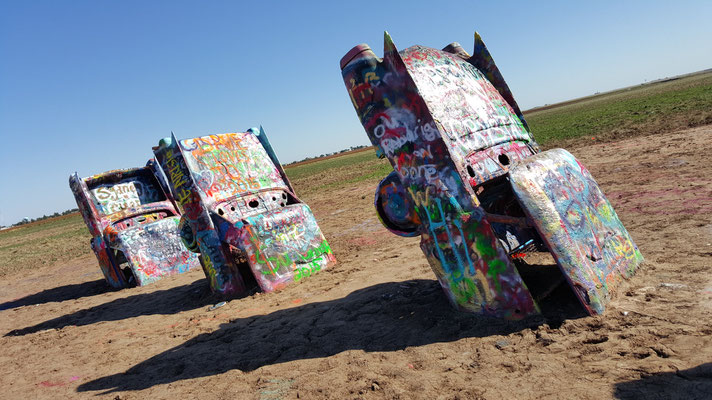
(377, 324)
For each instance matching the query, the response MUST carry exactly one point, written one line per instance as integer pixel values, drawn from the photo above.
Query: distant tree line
(57, 214)
(329, 154)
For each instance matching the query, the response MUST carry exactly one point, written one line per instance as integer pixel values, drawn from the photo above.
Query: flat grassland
(377, 325)
(663, 106)
(41, 243)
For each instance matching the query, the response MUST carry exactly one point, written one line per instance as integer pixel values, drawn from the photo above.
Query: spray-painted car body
(134, 225)
(470, 180)
(240, 212)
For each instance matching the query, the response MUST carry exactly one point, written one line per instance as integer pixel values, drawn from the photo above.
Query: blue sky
(90, 86)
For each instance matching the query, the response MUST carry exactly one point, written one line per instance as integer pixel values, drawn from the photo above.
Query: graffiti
(395, 207)
(155, 250)
(241, 209)
(178, 180)
(459, 245)
(469, 108)
(282, 245)
(134, 224)
(448, 124)
(495, 161)
(111, 198)
(224, 166)
(578, 224)
(427, 171)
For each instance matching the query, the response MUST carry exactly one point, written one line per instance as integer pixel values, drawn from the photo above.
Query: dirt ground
(377, 325)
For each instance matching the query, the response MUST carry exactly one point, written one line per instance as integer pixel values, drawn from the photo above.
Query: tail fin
(483, 61)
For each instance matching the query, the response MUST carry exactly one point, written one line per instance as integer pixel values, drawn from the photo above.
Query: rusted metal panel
(450, 127)
(133, 222)
(242, 213)
(578, 224)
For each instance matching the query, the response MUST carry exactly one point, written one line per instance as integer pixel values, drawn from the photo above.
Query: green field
(340, 171)
(644, 109)
(45, 242)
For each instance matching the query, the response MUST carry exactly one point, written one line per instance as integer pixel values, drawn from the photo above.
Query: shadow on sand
(169, 301)
(691, 384)
(62, 293)
(384, 317)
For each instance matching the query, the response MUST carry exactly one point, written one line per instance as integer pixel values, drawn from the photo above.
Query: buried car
(241, 213)
(134, 225)
(470, 180)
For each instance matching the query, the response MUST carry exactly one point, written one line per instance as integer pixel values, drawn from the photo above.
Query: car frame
(240, 212)
(471, 181)
(133, 221)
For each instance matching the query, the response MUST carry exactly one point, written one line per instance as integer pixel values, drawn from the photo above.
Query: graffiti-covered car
(240, 212)
(133, 222)
(470, 180)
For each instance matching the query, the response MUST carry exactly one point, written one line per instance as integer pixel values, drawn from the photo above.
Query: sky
(90, 86)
